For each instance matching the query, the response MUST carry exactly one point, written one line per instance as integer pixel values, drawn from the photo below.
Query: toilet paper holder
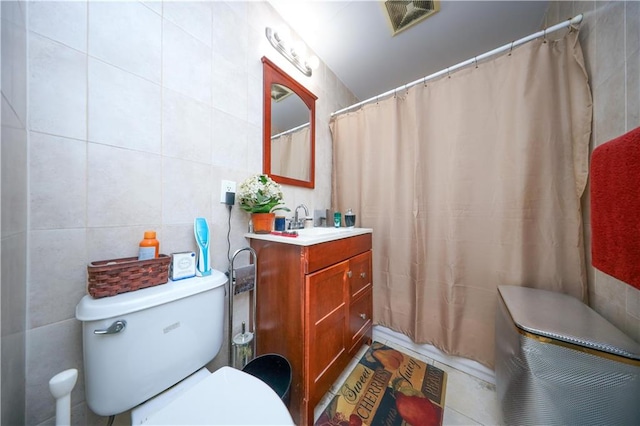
(239, 283)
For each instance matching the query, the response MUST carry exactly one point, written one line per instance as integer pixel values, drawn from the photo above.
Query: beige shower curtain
(470, 182)
(290, 154)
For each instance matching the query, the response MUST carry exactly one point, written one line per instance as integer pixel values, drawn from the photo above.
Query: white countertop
(311, 236)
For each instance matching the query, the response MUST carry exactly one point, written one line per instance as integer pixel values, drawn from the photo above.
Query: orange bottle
(149, 247)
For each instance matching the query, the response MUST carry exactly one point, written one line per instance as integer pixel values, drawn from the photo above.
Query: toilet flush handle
(114, 328)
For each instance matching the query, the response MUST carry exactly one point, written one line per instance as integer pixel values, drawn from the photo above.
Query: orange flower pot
(262, 222)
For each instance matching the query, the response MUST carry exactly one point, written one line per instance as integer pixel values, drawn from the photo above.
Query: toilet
(146, 350)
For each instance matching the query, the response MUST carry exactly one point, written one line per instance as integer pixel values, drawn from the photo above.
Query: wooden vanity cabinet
(314, 307)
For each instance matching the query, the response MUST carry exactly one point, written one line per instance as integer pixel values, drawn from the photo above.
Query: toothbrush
(201, 232)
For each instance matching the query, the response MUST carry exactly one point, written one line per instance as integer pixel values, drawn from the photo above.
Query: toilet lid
(226, 397)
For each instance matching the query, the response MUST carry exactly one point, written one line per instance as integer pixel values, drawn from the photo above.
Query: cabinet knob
(349, 274)
(363, 275)
(363, 316)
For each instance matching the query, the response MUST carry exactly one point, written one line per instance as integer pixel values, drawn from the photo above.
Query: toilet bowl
(141, 350)
(225, 397)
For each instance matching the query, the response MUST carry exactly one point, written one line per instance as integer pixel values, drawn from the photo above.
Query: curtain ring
(572, 27)
(476, 61)
(544, 36)
(511, 48)
(395, 94)
(449, 72)
(406, 89)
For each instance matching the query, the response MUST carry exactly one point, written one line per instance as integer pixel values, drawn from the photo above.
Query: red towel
(615, 208)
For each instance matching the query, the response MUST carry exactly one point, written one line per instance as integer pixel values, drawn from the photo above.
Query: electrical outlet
(226, 186)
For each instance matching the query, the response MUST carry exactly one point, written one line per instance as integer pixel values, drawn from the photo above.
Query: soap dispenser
(349, 219)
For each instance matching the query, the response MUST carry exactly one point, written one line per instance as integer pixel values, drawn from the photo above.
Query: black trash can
(274, 370)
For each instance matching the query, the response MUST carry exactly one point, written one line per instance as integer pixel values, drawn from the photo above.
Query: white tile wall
(14, 12)
(9, 116)
(127, 35)
(231, 144)
(186, 128)
(111, 242)
(124, 110)
(254, 159)
(193, 17)
(230, 97)
(124, 187)
(14, 167)
(64, 252)
(58, 182)
(14, 181)
(185, 194)
(231, 35)
(13, 377)
(254, 104)
(155, 5)
(14, 66)
(62, 21)
(14, 298)
(177, 238)
(186, 63)
(59, 74)
(632, 42)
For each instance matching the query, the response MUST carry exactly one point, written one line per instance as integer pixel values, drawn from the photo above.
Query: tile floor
(469, 400)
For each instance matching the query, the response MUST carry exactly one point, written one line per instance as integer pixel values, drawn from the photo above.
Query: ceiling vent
(279, 92)
(403, 14)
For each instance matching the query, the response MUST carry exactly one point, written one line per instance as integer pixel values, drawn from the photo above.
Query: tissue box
(183, 265)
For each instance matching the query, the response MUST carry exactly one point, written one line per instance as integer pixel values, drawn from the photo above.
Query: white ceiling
(353, 38)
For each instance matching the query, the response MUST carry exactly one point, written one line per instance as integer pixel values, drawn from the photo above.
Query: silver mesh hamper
(559, 362)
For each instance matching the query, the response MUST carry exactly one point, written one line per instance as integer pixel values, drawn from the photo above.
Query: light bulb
(281, 34)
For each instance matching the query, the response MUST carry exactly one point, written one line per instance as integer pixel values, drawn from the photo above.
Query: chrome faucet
(299, 223)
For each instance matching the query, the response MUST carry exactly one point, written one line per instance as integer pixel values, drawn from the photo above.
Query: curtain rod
(569, 22)
(295, 129)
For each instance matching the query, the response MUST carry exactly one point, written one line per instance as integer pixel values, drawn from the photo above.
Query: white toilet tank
(140, 343)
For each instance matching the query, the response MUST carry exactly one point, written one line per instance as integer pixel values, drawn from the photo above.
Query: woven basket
(115, 276)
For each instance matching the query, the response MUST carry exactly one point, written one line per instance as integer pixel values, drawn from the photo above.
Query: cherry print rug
(388, 387)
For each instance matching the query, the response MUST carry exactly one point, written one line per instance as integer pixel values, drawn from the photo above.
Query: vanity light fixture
(294, 53)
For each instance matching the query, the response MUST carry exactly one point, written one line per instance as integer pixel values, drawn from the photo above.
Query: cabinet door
(359, 274)
(360, 300)
(360, 320)
(326, 328)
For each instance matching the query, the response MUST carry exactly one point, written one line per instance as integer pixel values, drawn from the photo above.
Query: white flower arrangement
(260, 194)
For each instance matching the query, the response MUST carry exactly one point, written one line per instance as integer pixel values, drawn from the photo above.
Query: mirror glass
(289, 128)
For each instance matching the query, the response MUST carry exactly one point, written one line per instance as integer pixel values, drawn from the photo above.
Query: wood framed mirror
(289, 129)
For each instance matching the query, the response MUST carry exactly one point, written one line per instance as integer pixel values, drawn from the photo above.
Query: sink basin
(318, 232)
(311, 236)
